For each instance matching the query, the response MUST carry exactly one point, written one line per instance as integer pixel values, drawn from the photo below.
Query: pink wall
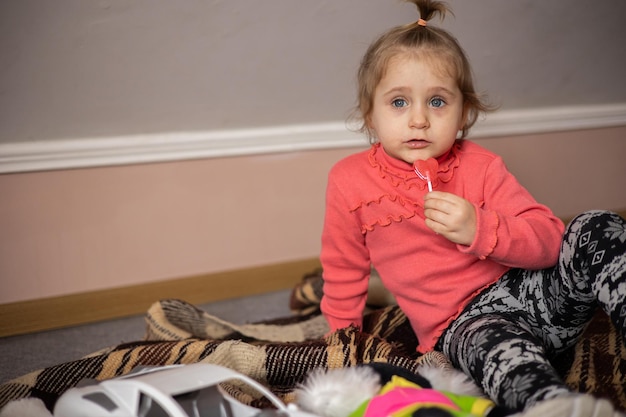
(72, 231)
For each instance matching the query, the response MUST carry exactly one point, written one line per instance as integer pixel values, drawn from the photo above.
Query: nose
(419, 119)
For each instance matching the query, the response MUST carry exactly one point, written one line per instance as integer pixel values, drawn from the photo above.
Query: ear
(367, 122)
(369, 130)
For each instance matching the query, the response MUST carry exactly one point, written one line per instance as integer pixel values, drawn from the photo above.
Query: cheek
(461, 123)
(463, 117)
(374, 122)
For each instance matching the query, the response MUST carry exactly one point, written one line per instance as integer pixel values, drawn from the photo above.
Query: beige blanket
(280, 353)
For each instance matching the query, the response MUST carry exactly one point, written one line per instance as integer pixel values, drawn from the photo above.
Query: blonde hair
(422, 40)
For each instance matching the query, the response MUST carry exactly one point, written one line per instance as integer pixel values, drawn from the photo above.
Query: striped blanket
(280, 353)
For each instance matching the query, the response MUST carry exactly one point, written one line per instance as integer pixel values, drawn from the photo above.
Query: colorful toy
(377, 390)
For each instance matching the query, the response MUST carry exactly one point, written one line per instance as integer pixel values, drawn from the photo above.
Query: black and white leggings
(506, 335)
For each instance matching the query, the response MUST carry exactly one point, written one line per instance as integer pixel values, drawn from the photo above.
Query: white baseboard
(550, 119)
(175, 146)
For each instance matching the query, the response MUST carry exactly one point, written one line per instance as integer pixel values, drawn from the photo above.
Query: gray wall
(79, 68)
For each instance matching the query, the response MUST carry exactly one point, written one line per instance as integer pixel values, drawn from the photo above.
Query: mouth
(417, 143)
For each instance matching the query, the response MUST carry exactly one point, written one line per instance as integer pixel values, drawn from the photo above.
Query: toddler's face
(417, 109)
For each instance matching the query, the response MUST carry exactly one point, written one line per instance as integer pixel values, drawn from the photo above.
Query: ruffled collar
(400, 172)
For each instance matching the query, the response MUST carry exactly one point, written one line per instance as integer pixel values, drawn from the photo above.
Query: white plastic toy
(171, 391)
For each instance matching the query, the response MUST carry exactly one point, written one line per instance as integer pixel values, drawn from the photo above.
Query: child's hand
(451, 216)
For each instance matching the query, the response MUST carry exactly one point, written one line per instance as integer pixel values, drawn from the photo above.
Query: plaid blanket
(280, 353)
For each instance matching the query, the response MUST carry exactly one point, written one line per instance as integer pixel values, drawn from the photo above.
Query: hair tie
(421, 22)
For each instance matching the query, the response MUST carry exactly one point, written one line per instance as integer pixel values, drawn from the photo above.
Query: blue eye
(437, 102)
(399, 102)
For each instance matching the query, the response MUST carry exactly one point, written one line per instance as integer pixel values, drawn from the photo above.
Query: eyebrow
(396, 90)
(443, 90)
(434, 90)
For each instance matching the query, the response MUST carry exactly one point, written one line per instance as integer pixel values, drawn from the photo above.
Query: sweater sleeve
(512, 228)
(345, 261)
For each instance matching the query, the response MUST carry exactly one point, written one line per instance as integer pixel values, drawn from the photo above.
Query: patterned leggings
(506, 335)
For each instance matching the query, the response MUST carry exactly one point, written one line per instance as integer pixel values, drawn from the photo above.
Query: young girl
(483, 272)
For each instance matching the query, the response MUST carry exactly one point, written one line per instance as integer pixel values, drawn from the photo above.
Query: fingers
(440, 196)
(442, 202)
(450, 216)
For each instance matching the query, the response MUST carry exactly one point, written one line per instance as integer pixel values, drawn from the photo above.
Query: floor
(22, 354)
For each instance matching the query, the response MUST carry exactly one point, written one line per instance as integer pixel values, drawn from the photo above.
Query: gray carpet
(22, 354)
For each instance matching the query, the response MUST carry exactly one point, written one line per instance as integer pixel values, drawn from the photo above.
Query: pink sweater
(374, 216)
